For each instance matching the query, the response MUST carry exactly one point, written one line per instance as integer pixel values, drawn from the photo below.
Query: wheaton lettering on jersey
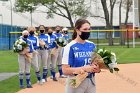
(82, 54)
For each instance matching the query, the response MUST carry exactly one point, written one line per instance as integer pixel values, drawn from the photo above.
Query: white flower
(113, 57)
(19, 47)
(65, 42)
(14, 48)
(60, 39)
(100, 50)
(112, 65)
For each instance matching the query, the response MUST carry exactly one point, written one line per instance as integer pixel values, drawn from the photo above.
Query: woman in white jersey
(77, 56)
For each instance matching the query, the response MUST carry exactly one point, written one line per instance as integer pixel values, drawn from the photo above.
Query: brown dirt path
(126, 81)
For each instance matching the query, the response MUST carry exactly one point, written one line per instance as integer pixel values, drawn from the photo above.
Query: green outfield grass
(8, 63)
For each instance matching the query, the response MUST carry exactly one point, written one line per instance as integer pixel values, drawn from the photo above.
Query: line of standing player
(46, 54)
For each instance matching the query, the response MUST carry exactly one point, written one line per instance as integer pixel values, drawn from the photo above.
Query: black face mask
(57, 31)
(31, 32)
(66, 32)
(84, 35)
(50, 34)
(41, 31)
(25, 36)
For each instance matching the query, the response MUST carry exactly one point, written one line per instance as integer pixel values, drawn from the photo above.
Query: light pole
(1, 26)
(11, 15)
(1, 22)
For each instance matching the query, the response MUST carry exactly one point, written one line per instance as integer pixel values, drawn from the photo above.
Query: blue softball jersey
(58, 35)
(34, 40)
(76, 54)
(45, 38)
(52, 43)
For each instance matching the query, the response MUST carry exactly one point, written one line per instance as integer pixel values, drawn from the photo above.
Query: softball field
(127, 80)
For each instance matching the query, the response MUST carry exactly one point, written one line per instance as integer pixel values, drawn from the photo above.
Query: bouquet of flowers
(21, 47)
(76, 81)
(104, 58)
(61, 42)
(42, 44)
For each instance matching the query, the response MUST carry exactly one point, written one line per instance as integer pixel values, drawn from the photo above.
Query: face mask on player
(42, 31)
(25, 36)
(31, 32)
(84, 35)
(50, 33)
(66, 32)
(57, 31)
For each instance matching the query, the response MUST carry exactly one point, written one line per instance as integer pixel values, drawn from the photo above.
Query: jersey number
(87, 61)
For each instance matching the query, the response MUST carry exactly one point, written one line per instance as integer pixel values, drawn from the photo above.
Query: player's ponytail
(74, 34)
(78, 25)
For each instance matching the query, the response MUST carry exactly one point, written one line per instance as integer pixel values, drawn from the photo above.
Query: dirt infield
(126, 81)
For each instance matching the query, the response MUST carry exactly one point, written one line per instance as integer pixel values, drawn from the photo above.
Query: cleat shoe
(54, 79)
(29, 86)
(21, 86)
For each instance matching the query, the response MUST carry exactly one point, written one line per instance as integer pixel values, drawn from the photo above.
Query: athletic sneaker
(62, 76)
(40, 82)
(43, 81)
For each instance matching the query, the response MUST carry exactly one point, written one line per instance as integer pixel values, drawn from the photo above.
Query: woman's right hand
(89, 68)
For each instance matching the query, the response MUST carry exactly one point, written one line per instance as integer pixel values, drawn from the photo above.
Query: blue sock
(21, 79)
(45, 72)
(53, 74)
(38, 75)
(60, 69)
(28, 78)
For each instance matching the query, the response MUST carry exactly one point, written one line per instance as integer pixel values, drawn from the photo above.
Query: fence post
(127, 38)
(9, 40)
(97, 40)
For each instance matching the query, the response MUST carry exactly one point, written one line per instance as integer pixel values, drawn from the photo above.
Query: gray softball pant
(85, 87)
(42, 58)
(52, 60)
(24, 65)
(59, 56)
(35, 62)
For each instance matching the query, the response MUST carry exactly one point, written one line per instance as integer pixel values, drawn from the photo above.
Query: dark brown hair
(78, 25)
(43, 26)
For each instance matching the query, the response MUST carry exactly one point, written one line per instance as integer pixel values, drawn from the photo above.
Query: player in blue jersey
(52, 53)
(43, 51)
(77, 57)
(24, 64)
(65, 35)
(35, 42)
(59, 52)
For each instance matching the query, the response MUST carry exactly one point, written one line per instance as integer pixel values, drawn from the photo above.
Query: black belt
(90, 75)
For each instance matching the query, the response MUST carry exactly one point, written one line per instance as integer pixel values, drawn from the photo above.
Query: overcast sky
(23, 19)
